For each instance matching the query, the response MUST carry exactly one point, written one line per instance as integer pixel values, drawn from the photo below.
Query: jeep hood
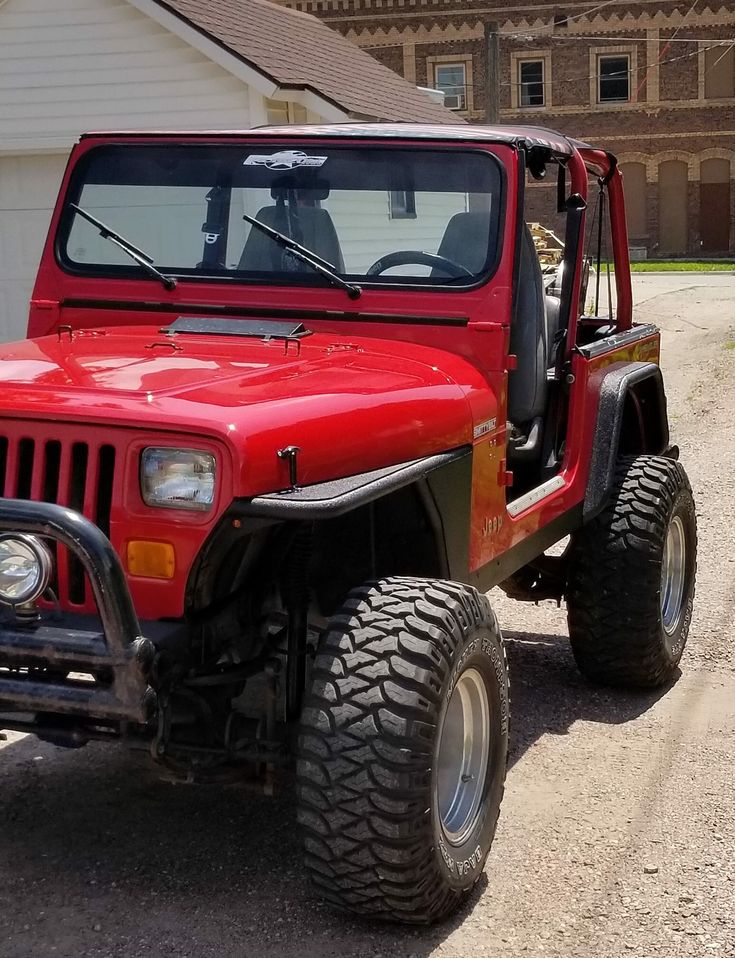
(360, 402)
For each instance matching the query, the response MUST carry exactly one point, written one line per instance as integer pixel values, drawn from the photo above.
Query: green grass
(681, 266)
(677, 266)
(730, 344)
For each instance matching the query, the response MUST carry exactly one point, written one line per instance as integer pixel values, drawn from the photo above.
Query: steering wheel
(404, 257)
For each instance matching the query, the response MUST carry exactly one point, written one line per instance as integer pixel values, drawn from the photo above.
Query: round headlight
(25, 569)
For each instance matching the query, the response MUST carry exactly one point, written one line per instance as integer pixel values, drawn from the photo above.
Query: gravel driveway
(617, 835)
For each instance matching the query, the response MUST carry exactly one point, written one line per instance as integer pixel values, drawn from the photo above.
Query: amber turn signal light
(152, 560)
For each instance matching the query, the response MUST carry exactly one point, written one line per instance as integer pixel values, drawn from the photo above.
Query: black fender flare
(443, 482)
(326, 500)
(616, 384)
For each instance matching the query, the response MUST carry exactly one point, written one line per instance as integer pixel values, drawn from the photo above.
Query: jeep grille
(36, 464)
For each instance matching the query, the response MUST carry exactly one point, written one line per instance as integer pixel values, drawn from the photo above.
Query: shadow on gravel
(548, 694)
(99, 856)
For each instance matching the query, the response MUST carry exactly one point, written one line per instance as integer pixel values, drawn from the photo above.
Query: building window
(451, 79)
(719, 72)
(284, 112)
(613, 78)
(531, 82)
(402, 204)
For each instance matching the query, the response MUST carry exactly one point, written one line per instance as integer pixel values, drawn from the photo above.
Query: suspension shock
(295, 591)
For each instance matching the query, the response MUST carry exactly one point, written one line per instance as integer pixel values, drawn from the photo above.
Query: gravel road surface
(617, 835)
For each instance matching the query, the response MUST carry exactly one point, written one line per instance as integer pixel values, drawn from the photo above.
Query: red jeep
(292, 401)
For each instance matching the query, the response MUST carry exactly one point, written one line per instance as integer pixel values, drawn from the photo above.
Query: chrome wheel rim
(462, 761)
(673, 574)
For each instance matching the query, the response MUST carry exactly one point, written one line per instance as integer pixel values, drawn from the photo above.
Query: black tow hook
(144, 655)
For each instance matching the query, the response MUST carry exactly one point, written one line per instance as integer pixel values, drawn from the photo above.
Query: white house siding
(72, 65)
(28, 186)
(367, 232)
(67, 66)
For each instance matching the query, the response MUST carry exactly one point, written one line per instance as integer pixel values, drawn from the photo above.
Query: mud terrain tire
(386, 833)
(629, 606)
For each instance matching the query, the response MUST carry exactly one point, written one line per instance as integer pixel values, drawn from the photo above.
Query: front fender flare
(327, 500)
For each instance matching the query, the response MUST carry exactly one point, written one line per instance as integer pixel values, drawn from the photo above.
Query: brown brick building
(652, 81)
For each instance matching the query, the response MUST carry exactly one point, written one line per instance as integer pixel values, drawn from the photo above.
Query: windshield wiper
(141, 258)
(307, 256)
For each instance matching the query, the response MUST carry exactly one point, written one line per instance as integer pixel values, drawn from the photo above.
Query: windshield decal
(285, 160)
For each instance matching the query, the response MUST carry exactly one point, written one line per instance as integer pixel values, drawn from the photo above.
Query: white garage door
(28, 188)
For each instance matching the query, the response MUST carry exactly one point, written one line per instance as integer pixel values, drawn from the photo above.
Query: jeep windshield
(372, 215)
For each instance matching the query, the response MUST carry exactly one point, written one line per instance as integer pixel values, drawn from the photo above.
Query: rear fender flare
(623, 394)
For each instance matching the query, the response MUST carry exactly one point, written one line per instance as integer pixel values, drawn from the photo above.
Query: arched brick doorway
(672, 207)
(714, 206)
(634, 176)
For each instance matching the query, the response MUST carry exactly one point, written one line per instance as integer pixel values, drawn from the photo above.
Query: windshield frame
(281, 281)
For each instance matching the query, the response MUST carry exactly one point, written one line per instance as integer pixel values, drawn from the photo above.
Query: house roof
(297, 51)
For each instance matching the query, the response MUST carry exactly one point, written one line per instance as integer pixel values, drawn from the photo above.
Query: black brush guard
(119, 652)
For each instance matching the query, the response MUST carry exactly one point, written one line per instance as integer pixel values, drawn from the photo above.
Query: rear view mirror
(307, 187)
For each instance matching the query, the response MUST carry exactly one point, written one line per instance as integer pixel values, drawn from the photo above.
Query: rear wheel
(631, 577)
(403, 749)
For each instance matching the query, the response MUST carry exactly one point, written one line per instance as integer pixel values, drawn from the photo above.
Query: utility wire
(520, 37)
(722, 57)
(665, 47)
(615, 39)
(540, 31)
(716, 41)
(621, 73)
(729, 43)
(576, 16)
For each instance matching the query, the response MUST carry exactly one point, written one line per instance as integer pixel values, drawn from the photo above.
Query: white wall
(367, 232)
(72, 65)
(67, 66)
(28, 187)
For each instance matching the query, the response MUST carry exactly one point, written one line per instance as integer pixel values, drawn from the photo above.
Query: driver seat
(528, 383)
(318, 235)
(465, 241)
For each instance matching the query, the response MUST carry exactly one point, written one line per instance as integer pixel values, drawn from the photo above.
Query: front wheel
(403, 749)
(631, 577)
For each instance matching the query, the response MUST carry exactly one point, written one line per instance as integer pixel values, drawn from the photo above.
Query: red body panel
(355, 396)
(254, 397)
(494, 529)
(351, 407)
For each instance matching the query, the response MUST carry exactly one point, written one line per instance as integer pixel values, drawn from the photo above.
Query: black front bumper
(36, 657)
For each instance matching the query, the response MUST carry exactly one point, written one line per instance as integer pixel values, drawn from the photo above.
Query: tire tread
(365, 746)
(614, 584)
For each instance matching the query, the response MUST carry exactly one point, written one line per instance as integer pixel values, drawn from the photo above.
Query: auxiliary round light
(25, 569)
